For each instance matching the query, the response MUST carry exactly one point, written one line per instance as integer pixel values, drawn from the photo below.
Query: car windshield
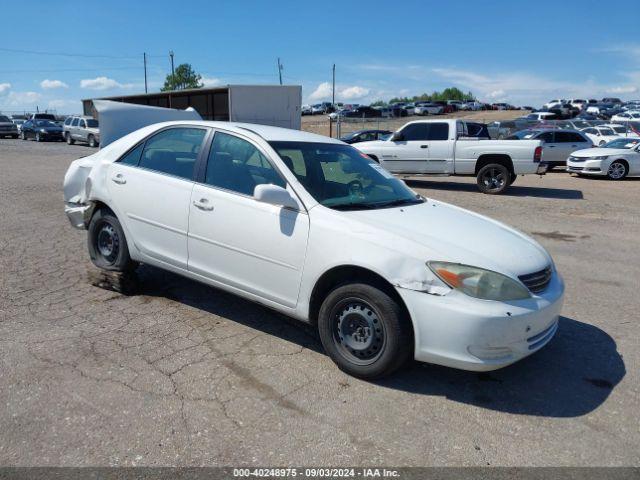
(342, 178)
(91, 123)
(45, 123)
(622, 143)
(4, 119)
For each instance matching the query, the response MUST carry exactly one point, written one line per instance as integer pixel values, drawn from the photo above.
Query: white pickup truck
(456, 147)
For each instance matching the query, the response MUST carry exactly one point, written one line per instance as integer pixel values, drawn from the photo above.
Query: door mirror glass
(397, 137)
(274, 195)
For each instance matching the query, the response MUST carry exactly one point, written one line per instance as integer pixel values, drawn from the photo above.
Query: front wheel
(70, 141)
(38, 137)
(23, 136)
(365, 331)
(493, 178)
(617, 170)
(107, 244)
(92, 141)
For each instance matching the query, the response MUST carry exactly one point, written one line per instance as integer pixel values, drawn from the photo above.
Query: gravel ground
(182, 374)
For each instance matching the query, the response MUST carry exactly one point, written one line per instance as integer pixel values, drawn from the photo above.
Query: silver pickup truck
(456, 147)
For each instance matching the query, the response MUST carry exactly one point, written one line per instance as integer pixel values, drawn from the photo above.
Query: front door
(151, 187)
(409, 155)
(235, 240)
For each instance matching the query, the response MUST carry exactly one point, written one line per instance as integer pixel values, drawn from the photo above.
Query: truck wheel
(493, 178)
(364, 331)
(513, 178)
(68, 138)
(92, 141)
(107, 244)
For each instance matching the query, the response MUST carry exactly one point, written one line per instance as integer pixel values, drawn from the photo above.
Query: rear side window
(82, 124)
(438, 131)
(173, 151)
(133, 157)
(237, 165)
(75, 121)
(68, 121)
(546, 137)
(568, 137)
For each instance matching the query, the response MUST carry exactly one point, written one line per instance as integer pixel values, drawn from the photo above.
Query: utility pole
(173, 72)
(144, 56)
(333, 90)
(280, 67)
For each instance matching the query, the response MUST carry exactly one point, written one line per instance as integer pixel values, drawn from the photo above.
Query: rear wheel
(365, 331)
(107, 244)
(617, 170)
(23, 136)
(513, 178)
(92, 141)
(493, 178)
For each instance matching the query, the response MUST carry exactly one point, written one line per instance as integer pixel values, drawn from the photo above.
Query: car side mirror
(274, 195)
(397, 137)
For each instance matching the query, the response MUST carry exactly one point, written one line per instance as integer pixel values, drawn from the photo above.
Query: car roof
(266, 132)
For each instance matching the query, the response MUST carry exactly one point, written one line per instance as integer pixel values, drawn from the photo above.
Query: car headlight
(478, 282)
(602, 157)
(42, 130)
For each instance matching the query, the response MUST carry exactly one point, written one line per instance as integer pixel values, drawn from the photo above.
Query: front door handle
(424, 146)
(552, 146)
(203, 204)
(119, 179)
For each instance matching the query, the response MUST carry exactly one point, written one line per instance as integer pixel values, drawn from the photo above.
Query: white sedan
(630, 116)
(615, 160)
(600, 135)
(311, 227)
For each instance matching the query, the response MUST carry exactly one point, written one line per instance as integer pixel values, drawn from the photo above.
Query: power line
(63, 54)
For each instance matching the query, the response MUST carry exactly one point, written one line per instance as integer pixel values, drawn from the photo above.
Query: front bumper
(458, 331)
(588, 167)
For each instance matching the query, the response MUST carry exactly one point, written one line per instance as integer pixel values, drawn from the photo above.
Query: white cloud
(352, 92)
(210, 81)
(496, 94)
(22, 99)
(50, 84)
(323, 92)
(4, 88)
(102, 83)
(627, 89)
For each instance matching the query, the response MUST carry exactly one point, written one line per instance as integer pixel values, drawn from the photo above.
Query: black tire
(23, 136)
(38, 137)
(91, 140)
(493, 178)
(513, 178)
(107, 243)
(617, 170)
(67, 137)
(376, 321)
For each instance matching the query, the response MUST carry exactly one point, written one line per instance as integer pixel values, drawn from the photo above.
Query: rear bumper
(78, 214)
(542, 168)
(458, 331)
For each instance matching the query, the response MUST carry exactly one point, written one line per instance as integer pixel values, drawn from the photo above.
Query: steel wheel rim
(616, 170)
(358, 332)
(493, 178)
(108, 242)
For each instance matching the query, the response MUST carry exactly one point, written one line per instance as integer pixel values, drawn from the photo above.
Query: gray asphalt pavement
(183, 374)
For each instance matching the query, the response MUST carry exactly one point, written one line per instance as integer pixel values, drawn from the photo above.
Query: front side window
(82, 124)
(415, 132)
(75, 121)
(237, 165)
(546, 137)
(173, 151)
(340, 177)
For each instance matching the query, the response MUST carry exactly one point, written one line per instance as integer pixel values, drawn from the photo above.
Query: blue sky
(520, 52)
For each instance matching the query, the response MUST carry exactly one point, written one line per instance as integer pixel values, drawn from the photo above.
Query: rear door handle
(119, 179)
(203, 204)
(424, 146)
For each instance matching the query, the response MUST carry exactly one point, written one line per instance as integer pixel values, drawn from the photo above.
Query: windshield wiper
(398, 202)
(353, 206)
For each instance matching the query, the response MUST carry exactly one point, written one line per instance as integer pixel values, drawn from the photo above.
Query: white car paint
(597, 161)
(275, 255)
(428, 109)
(453, 155)
(600, 134)
(628, 116)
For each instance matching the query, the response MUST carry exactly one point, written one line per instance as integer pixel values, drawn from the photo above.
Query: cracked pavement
(183, 374)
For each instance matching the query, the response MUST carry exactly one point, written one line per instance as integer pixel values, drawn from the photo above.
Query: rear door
(569, 142)
(151, 189)
(552, 152)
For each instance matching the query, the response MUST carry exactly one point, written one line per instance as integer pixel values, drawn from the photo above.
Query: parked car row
(46, 127)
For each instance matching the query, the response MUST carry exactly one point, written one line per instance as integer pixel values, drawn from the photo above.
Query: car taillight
(537, 154)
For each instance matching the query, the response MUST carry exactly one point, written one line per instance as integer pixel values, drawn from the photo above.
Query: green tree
(184, 77)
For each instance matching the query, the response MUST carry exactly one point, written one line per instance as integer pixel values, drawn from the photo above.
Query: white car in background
(621, 129)
(312, 228)
(615, 160)
(629, 116)
(427, 109)
(599, 134)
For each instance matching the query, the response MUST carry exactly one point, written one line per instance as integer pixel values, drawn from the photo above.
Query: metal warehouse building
(277, 105)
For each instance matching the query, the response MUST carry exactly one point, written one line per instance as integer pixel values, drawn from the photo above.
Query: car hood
(370, 144)
(598, 152)
(49, 129)
(6, 124)
(440, 231)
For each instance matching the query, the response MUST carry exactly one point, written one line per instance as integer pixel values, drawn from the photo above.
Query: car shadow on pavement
(512, 191)
(570, 377)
